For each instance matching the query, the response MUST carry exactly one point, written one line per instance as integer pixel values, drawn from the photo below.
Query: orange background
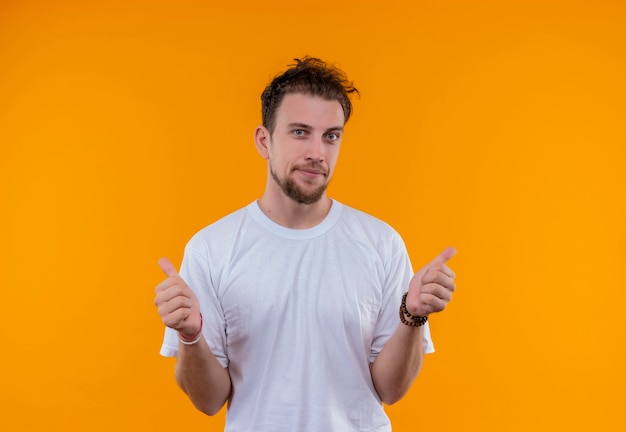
(495, 126)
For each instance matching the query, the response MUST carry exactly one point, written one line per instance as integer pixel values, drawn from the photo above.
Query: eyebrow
(306, 126)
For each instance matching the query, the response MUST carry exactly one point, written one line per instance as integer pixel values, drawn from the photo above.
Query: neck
(291, 214)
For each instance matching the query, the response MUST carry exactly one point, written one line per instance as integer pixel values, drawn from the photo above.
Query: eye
(332, 136)
(299, 132)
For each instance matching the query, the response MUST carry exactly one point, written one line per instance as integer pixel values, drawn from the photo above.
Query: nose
(315, 150)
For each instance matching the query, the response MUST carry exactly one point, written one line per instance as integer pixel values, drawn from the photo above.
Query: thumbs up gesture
(176, 302)
(431, 288)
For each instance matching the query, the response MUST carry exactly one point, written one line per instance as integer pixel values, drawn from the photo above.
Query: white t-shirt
(298, 315)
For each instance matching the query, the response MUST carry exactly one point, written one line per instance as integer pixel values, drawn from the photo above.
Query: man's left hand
(431, 288)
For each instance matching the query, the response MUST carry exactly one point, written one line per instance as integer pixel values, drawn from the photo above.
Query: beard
(293, 191)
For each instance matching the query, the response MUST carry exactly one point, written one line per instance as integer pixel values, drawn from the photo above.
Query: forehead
(311, 110)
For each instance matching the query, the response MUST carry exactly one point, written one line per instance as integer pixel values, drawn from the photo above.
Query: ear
(262, 140)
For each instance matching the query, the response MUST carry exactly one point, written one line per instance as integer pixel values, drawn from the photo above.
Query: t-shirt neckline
(296, 234)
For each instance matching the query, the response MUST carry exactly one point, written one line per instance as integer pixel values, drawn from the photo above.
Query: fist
(176, 302)
(431, 288)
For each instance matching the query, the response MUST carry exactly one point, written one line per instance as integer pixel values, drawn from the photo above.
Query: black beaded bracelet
(415, 321)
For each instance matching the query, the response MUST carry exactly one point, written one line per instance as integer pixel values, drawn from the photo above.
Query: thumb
(446, 255)
(167, 267)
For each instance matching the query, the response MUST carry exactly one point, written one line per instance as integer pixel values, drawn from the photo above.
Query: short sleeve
(196, 272)
(398, 274)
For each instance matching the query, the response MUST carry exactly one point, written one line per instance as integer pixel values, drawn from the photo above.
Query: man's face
(304, 146)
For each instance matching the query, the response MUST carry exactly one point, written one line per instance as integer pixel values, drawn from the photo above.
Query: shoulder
(221, 231)
(366, 226)
(365, 219)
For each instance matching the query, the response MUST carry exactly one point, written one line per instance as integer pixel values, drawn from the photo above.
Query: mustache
(316, 166)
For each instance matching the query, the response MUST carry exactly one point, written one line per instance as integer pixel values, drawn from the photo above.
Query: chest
(301, 290)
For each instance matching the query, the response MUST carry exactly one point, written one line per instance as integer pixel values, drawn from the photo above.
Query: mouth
(313, 172)
(310, 173)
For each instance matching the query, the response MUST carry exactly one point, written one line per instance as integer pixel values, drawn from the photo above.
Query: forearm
(398, 364)
(202, 377)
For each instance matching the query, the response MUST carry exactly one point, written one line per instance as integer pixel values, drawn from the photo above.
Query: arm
(400, 360)
(398, 364)
(198, 371)
(202, 377)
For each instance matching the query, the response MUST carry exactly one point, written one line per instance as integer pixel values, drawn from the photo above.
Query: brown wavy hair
(311, 76)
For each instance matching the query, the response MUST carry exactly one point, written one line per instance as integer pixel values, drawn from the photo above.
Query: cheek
(332, 157)
(279, 164)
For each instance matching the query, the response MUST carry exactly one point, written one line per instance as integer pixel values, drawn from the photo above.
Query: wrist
(407, 318)
(191, 340)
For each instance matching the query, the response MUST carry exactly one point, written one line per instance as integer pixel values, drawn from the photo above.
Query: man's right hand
(176, 302)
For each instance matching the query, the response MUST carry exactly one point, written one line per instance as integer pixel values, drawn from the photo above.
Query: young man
(292, 308)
